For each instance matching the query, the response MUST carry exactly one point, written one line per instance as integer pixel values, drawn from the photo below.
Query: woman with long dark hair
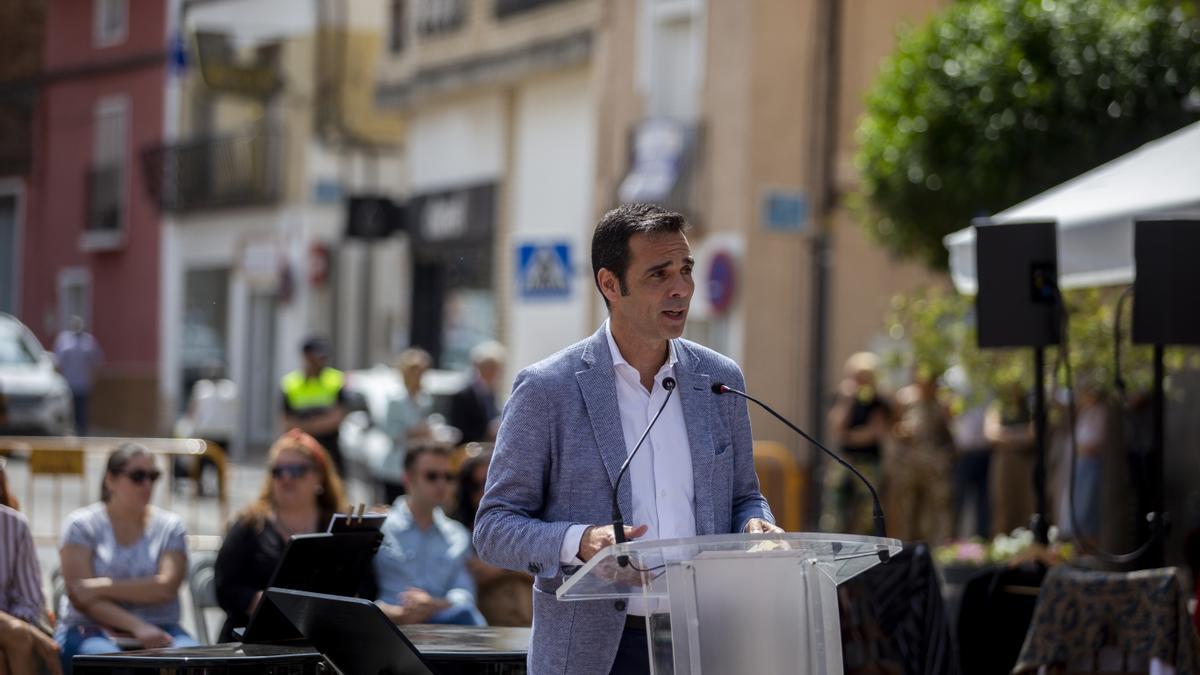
(300, 493)
(123, 561)
(472, 475)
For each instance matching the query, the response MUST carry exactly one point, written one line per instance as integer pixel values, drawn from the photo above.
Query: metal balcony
(216, 172)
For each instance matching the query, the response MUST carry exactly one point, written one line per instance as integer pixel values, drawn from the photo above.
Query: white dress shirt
(660, 475)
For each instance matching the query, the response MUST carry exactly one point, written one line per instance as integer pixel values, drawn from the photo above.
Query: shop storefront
(454, 301)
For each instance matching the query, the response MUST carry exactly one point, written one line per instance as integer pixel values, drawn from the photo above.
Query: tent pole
(1156, 556)
(1040, 523)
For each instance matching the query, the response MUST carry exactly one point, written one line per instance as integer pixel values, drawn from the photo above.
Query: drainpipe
(823, 200)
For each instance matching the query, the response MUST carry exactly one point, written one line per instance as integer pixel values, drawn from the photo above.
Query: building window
(396, 35)
(440, 16)
(112, 22)
(10, 243)
(671, 61)
(107, 177)
(74, 296)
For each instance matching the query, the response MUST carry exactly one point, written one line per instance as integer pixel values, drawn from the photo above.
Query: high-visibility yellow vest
(309, 393)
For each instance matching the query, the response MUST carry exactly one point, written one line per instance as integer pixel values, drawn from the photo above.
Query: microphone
(880, 526)
(618, 523)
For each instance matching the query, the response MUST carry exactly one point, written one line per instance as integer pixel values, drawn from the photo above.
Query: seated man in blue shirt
(421, 568)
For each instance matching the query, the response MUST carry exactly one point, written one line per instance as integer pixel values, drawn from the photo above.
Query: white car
(34, 397)
(361, 437)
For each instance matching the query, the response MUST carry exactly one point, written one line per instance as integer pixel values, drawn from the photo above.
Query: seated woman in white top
(123, 561)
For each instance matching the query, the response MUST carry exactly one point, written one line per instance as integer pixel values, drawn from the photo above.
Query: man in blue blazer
(573, 418)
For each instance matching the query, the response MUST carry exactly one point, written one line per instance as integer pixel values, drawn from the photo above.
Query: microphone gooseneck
(618, 520)
(880, 525)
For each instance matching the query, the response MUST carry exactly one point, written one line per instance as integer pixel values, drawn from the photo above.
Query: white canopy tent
(1095, 212)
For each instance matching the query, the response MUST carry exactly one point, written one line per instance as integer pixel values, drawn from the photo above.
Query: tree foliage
(935, 328)
(994, 101)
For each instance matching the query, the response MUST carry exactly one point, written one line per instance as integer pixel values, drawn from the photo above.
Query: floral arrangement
(977, 552)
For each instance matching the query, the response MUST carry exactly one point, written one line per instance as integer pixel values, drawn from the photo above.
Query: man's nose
(681, 288)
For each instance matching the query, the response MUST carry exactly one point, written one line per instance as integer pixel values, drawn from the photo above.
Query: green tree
(935, 328)
(993, 101)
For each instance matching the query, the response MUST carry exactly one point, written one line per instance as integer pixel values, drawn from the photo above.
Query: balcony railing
(666, 159)
(16, 133)
(507, 8)
(438, 17)
(216, 172)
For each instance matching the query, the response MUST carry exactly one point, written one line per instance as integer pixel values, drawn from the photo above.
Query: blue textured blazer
(557, 456)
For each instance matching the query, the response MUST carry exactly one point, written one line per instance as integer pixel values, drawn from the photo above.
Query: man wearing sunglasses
(421, 569)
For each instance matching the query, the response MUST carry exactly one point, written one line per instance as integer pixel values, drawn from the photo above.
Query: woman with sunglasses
(299, 495)
(123, 561)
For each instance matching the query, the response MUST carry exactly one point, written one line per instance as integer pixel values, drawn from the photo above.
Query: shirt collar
(619, 359)
(404, 517)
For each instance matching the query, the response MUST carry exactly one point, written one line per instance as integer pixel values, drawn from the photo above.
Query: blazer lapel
(698, 409)
(599, 387)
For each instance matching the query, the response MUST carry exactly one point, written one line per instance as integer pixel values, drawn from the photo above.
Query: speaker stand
(1040, 523)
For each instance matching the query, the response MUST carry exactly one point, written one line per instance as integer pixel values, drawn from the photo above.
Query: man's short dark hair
(427, 447)
(315, 345)
(610, 241)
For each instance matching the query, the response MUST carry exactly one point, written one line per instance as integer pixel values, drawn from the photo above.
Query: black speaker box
(1166, 291)
(1016, 265)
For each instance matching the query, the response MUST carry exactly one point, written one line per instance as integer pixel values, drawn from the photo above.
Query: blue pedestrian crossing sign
(544, 271)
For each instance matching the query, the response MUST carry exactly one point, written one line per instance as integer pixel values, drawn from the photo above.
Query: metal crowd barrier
(782, 479)
(60, 458)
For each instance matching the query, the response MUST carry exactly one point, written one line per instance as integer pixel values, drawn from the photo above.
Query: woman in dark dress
(300, 493)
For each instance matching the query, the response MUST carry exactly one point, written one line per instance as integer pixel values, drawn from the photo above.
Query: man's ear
(610, 285)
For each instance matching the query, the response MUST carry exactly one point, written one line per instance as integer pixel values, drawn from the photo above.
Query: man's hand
(599, 537)
(26, 640)
(48, 650)
(760, 526)
(419, 606)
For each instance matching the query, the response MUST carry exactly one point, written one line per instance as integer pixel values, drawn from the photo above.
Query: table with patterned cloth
(1083, 616)
(893, 620)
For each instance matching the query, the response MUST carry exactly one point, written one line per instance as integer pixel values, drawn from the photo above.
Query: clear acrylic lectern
(736, 603)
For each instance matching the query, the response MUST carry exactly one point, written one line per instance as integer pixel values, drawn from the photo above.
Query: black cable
(1084, 544)
(880, 525)
(618, 520)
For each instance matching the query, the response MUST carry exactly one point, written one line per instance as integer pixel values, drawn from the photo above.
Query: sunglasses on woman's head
(140, 476)
(290, 470)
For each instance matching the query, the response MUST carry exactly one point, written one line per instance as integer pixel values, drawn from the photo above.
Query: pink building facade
(91, 236)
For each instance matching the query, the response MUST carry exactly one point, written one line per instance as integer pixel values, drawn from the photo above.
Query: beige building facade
(268, 142)
(768, 93)
(498, 98)
(739, 113)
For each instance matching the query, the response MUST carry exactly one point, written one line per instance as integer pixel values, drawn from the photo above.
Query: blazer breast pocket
(723, 449)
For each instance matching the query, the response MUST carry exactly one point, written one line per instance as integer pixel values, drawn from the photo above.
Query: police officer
(313, 399)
